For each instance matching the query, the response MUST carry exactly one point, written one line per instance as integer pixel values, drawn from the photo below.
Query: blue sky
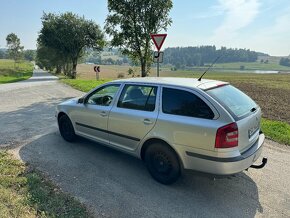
(260, 25)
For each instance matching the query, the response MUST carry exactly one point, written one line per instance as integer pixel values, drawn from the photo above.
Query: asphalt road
(113, 184)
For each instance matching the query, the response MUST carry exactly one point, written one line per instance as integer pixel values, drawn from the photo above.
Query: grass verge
(83, 85)
(25, 193)
(10, 73)
(276, 130)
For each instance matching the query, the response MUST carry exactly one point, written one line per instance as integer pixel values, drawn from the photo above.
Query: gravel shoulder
(113, 184)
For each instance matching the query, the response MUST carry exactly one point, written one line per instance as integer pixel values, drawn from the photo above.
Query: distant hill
(181, 57)
(3, 53)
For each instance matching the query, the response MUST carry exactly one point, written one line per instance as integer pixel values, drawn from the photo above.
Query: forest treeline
(199, 56)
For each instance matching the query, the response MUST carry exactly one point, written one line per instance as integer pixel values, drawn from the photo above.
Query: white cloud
(238, 14)
(273, 39)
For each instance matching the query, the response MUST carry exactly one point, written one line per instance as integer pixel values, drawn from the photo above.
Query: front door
(91, 119)
(133, 116)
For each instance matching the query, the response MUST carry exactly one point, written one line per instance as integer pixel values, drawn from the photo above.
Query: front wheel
(66, 128)
(162, 163)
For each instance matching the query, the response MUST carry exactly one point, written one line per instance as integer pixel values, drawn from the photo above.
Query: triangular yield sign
(158, 40)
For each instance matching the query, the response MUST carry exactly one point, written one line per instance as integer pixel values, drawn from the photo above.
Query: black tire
(162, 163)
(66, 128)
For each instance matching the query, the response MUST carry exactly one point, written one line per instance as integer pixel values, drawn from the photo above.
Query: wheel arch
(60, 114)
(150, 141)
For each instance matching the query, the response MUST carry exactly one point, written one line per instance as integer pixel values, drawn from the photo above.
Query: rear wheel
(66, 128)
(162, 163)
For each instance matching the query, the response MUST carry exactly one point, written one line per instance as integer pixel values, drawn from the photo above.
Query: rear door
(243, 109)
(187, 119)
(133, 116)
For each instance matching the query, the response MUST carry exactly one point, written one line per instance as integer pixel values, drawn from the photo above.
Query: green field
(251, 66)
(11, 72)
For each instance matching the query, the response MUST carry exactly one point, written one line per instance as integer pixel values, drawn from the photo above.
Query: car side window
(184, 103)
(138, 97)
(103, 96)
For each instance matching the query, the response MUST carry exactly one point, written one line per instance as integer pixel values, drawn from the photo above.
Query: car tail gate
(244, 131)
(249, 130)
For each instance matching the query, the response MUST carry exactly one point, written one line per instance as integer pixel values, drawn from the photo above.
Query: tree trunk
(58, 69)
(74, 70)
(143, 68)
(66, 69)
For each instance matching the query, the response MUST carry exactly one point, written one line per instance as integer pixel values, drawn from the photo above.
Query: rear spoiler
(216, 86)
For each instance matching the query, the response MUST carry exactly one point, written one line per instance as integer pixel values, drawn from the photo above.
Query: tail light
(227, 136)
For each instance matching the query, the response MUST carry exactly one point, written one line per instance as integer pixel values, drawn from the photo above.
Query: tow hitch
(264, 162)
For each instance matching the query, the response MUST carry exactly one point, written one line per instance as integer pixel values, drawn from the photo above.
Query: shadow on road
(27, 121)
(114, 184)
(43, 79)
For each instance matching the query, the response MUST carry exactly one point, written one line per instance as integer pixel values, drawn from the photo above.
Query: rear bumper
(224, 166)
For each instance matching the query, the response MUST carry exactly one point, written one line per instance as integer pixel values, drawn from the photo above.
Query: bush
(121, 75)
(131, 72)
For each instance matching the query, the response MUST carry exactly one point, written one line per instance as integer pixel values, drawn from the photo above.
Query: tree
(130, 23)
(201, 55)
(69, 35)
(14, 48)
(29, 55)
(285, 62)
(50, 58)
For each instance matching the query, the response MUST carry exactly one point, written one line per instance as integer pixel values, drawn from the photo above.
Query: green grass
(25, 193)
(276, 130)
(83, 85)
(10, 73)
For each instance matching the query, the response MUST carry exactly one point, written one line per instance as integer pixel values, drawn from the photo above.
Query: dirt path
(113, 184)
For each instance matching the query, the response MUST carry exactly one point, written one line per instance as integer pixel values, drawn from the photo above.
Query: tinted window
(138, 97)
(233, 99)
(179, 102)
(103, 96)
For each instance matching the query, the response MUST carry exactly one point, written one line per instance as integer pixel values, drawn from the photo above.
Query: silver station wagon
(170, 123)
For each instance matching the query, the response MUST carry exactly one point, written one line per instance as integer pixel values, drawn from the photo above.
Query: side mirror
(81, 100)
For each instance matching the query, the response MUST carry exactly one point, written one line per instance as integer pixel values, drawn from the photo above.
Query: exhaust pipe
(264, 162)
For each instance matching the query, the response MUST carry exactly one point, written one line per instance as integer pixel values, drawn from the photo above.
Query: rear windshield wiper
(253, 109)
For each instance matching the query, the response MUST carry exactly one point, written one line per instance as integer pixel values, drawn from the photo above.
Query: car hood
(70, 101)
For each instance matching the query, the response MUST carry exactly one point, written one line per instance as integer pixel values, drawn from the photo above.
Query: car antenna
(199, 79)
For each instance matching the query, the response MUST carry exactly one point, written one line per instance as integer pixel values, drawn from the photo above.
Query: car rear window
(184, 103)
(234, 100)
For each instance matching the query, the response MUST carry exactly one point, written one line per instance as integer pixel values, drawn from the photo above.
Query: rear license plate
(254, 129)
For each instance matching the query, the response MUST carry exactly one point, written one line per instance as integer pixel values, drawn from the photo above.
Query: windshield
(234, 100)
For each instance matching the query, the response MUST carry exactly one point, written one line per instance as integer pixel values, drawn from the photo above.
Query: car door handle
(103, 114)
(147, 121)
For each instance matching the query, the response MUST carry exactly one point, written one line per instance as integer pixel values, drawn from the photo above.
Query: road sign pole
(97, 70)
(158, 40)
(158, 67)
